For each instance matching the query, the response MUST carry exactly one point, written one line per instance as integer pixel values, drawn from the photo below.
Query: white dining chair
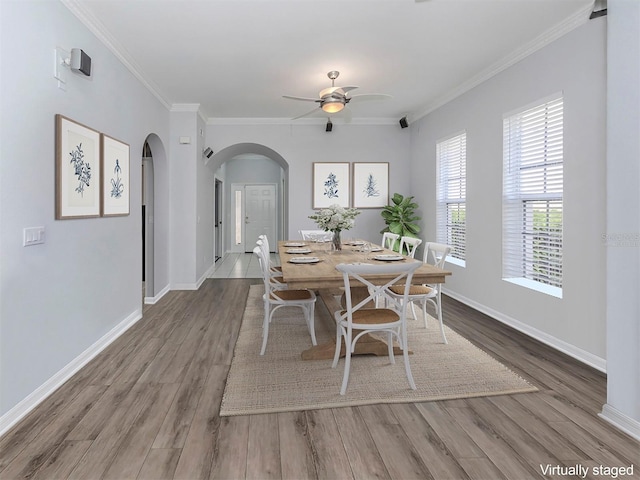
(274, 271)
(410, 245)
(434, 254)
(389, 240)
(275, 298)
(360, 319)
(263, 241)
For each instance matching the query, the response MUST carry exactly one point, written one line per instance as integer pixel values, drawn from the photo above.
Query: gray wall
(301, 145)
(205, 186)
(623, 216)
(59, 298)
(575, 323)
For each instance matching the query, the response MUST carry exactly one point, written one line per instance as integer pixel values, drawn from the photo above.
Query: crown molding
(302, 121)
(185, 107)
(98, 29)
(579, 18)
(189, 107)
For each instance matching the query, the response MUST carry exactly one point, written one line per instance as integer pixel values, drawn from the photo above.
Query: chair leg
(310, 312)
(405, 354)
(424, 312)
(413, 310)
(407, 368)
(439, 307)
(347, 363)
(336, 355)
(392, 358)
(265, 327)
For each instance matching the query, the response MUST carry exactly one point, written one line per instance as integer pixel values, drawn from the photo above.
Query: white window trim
(537, 286)
(512, 195)
(442, 204)
(456, 261)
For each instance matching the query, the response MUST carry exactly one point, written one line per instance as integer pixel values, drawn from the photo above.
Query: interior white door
(260, 214)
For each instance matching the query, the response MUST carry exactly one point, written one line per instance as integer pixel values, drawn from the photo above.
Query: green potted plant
(400, 217)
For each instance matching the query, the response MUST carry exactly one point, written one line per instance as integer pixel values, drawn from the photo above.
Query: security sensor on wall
(206, 155)
(403, 122)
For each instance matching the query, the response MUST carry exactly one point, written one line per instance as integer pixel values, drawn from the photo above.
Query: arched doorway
(147, 221)
(233, 215)
(155, 219)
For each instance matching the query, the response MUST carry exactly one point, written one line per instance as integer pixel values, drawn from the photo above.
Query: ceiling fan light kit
(334, 99)
(332, 106)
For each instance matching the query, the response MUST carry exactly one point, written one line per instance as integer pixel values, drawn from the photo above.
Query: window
(451, 155)
(532, 197)
(239, 221)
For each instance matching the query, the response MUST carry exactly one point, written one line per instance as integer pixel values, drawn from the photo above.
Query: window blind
(451, 215)
(532, 194)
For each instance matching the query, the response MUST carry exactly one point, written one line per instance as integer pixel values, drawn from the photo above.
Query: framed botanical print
(330, 184)
(115, 177)
(370, 185)
(77, 170)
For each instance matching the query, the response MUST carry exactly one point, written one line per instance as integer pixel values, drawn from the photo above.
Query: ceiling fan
(334, 99)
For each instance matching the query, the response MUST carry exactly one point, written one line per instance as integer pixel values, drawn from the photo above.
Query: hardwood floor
(147, 407)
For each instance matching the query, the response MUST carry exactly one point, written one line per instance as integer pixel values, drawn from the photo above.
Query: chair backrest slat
(269, 282)
(411, 244)
(403, 273)
(389, 240)
(436, 253)
(265, 241)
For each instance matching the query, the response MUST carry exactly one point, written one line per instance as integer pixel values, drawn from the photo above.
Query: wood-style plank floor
(147, 408)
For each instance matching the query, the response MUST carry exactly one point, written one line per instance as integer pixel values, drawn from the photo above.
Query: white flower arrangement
(335, 218)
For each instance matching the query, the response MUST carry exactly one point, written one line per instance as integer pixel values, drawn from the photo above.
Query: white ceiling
(236, 58)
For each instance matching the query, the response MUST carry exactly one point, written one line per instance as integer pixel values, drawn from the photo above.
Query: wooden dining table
(323, 278)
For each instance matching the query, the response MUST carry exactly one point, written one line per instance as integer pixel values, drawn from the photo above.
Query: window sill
(456, 261)
(537, 286)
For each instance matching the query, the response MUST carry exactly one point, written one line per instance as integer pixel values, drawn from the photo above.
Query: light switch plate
(33, 236)
(59, 66)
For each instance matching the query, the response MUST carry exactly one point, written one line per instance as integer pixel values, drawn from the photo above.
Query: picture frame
(115, 177)
(77, 170)
(330, 184)
(370, 184)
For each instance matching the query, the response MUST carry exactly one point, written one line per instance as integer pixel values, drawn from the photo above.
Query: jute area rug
(281, 381)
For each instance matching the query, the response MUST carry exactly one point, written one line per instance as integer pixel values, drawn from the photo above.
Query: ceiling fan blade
(308, 113)
(348, 88)
(369, 96)
(306, 99)
(340, 90)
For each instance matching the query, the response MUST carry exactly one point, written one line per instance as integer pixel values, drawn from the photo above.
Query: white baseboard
(18, 412)
(184, 286)
(153, 300)
(197, 284)
(621, 421)
(205, 276)
(582, 355)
